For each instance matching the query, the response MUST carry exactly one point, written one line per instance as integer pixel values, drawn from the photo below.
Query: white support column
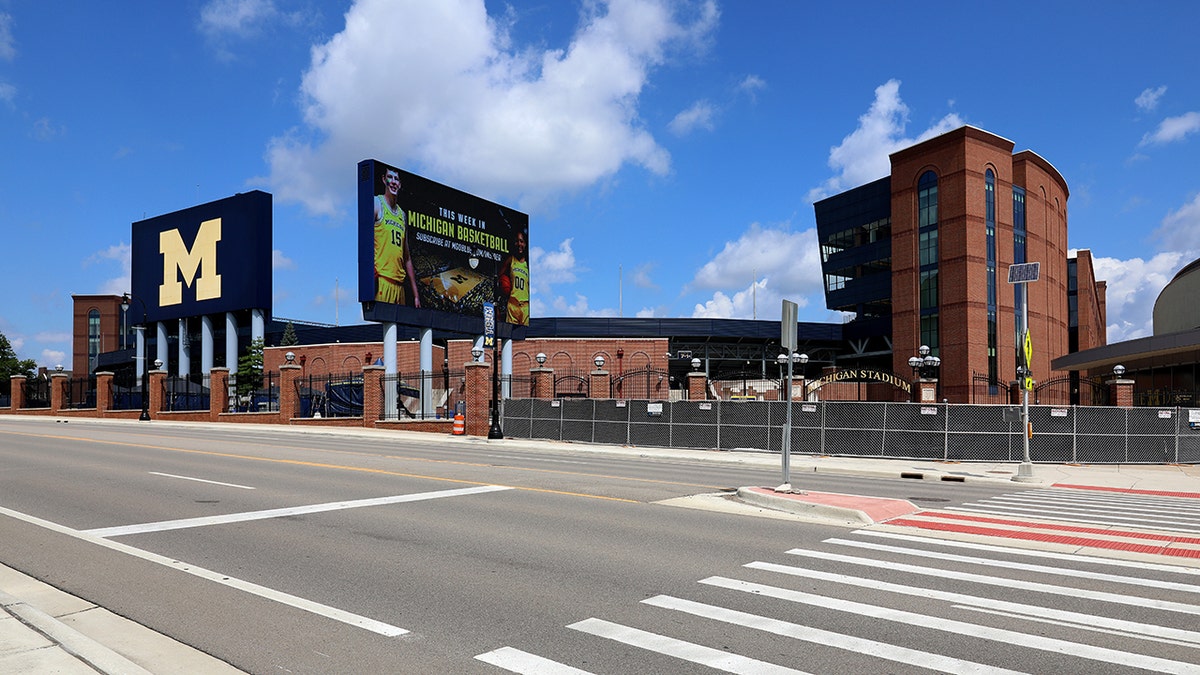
(258, 325)
(390, 338)
(506, 368)
(206, 344)
(140, 359)
(162, 346)
(185, 350)
(426, 365)
(231, 342)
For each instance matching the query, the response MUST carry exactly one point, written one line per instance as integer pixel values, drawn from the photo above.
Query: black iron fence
(330, 395)
(422, 395)
(182, 394)
(254, 392)
(79, 392)
(37, 392)
(947, 432)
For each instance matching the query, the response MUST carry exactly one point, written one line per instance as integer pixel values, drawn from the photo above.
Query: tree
(289, 336)
(10, 365)
(250, 368)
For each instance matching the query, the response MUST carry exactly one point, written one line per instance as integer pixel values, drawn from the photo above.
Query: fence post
(218, 392)
(946, 436)
(58, 383)
(289, 397)
(16, 394)
(157, 378)
(697, 386)
(599, 384)
(543, 382)
(479, 397)
(372, 395)
(103, 392)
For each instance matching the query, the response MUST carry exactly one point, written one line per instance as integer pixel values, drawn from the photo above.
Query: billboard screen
(207, 259)
(431, 255)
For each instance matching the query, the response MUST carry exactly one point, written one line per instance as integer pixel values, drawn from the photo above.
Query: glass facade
(1019, 234)
(927, 219)
(93, 338)
(990, 223)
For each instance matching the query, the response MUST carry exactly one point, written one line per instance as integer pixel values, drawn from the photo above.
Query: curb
(78, 645)
(852, 509)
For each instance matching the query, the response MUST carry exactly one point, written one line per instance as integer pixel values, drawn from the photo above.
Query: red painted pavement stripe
(1065, 528)
(1052, 538)
(1157, 493)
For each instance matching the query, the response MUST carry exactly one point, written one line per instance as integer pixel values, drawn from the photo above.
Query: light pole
(141, 328)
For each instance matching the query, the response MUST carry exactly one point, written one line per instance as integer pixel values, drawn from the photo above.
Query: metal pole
(145, 416)
(1025, 470)
(787, 433)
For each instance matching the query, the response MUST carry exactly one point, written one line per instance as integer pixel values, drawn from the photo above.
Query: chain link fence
(948, 432)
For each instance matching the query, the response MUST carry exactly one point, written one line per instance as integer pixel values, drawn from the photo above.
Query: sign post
(1020, 275)
(787, 338)
(489, 340)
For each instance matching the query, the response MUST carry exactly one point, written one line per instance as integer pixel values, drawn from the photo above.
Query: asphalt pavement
(43, 630)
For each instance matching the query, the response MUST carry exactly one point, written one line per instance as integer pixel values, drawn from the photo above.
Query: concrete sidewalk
(44, 630)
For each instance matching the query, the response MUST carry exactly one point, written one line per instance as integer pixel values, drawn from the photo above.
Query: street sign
(1028, 384)
(1024, 273)
(1028, 350)
(787, 323)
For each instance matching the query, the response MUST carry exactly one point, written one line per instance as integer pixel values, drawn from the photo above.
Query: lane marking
(1122, 506)
(1119, 598)
(1027, 567)
(961, 628)
(1053, 555)
(687, 651)
(1014, 609)
(1064, 527)
(203, 521)
(201, 480)
(1080, 514)
(297, 602)
(883, 650)
(1078, 626)
(517, 661)
(1159, 493)
(360, 469)
(1160, 549)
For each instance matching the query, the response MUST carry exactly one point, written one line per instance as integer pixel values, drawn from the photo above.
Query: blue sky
(668, 153)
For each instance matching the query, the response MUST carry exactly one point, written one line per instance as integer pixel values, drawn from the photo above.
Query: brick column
(372, 394)
(17, 391)
(543, 382)
(925, 390)
(599, 384)
(479, 398)
(289, 398)
(697, 386)
(58, 390)
(103, 392)
(157, 379)
(1120, 393)
(218, 392)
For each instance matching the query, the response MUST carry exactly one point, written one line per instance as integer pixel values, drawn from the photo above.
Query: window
(989, 193)
(927, 234)
(1019, 235)
(93, 338)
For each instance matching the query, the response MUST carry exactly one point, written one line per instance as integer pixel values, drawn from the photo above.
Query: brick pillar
(479, 398)
(158, 379)
(17, 391)
(543, 382)
(218, 392)
(599, 384)
(58, 391)
(697, 386)
(1120, 392)
(925, 390)
(103, 392)
(372, 395)
(289, 397)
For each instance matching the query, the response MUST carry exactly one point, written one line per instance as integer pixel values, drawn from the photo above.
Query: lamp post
(599, 361)
(141, 328)
(540, 358)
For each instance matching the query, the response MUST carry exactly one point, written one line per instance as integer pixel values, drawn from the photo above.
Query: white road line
(687, 651)
(223, 579)
(1051, 555)
(1068, 624)
(881, 650)
(1119, 598)
(517, 661)
(1075, 515)
(1103, 654)
(1100, 501)
(1075, 619)
(289, 511)
(1027, 567)
(201, 480)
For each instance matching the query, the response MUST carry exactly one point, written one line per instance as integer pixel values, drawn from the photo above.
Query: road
(280, 551)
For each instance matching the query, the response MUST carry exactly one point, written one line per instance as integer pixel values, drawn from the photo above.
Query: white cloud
(553, 267)
(863, 155)
(8, 93)
(45, 130)
(699, 115)
(752, 275)
(456, 100)
(53, 357)
(8, 46)
(640, 277)
(1180, 229)
(751, 85)
(235, 17)
(53, 337)
(1173, 129)
(279, 261)
(1148, 99)
(1133, 287)
(121, 253)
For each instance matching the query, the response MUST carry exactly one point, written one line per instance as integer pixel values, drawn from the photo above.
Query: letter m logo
(201, 258)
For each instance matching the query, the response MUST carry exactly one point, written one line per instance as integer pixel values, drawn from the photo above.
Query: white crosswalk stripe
(1179, 514)
(1074, 610)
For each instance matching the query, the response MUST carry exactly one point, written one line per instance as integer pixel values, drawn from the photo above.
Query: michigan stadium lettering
(200, 258)
(860, 374)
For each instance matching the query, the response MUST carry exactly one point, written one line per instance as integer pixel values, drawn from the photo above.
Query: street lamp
(599, 361)
(1118, 370)
(476, 353)
(695, 365)
(141, 328)
(540, 358)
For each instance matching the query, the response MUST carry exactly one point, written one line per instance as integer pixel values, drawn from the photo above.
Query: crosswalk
(1150, 511)
(882, 600)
